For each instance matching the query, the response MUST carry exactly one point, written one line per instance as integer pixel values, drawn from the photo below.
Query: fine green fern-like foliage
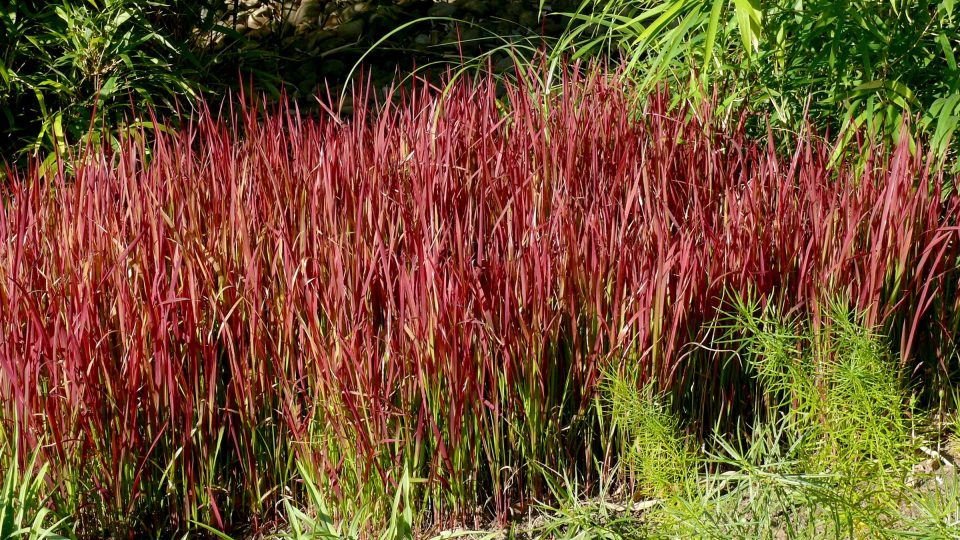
(828, 456)
(655, 452)
(836, 387)
(867, 426)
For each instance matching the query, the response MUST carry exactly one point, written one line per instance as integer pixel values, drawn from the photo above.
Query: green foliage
(847, 65)
(837, 387)
(762, 490)
(656, 453)
(830, 456)
(875, 61)
(23, 511)
(61, 61)
(314, 519)
(317, 523)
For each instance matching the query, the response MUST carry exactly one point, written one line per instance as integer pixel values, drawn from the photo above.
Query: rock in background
(305, 45)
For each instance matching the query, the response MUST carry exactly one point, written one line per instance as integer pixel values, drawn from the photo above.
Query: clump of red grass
(432, 286)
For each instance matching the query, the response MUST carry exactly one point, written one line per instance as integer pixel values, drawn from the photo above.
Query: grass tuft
(422, 300)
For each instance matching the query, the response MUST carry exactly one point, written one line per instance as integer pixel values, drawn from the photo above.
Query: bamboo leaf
(712, 29)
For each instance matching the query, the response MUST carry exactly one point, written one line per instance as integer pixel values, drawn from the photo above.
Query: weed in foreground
(24, 495)
(830, 457)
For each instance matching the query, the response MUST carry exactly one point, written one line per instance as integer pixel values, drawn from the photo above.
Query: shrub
(837, 386)
(849, 65)
(830, 456)
(63, 62)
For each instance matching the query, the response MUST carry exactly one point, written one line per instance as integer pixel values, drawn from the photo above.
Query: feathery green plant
(828, 454)
(656, 454)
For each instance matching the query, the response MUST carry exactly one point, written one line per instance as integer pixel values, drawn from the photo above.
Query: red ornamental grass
(432, 286)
